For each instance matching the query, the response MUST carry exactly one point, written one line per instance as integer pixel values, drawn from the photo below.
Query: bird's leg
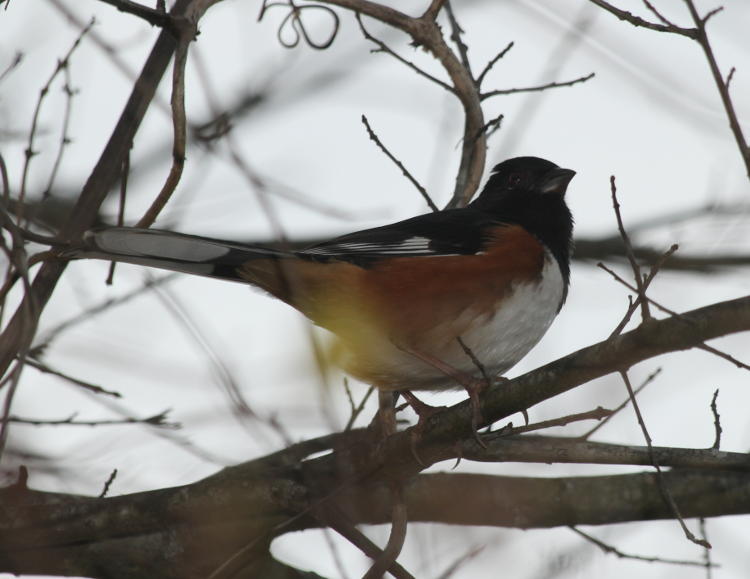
(423, 411)
(387, 412)
(472, 386)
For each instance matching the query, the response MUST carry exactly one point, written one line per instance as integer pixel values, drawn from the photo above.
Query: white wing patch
(410, 246)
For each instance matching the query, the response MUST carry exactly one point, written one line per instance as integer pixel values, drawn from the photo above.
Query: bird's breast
(499, 328)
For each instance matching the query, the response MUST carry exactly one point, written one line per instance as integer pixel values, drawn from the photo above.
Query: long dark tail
(173, 251)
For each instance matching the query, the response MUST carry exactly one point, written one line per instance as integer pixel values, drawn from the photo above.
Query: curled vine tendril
(293, 21)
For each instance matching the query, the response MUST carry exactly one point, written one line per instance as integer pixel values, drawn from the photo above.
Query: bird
(443, 300)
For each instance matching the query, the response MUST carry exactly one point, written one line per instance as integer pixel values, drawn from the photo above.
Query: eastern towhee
(424, 303)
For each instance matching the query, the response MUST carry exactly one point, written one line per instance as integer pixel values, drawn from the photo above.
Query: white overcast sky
(651, 116)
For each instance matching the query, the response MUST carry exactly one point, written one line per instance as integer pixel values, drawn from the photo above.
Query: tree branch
(102, 178)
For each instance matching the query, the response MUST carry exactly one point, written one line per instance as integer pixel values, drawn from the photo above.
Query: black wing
(450, 232)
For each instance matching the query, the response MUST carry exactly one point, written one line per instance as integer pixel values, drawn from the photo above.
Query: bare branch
(650, 378)
(30, 152)
(640, 22)
(396, 537)
(425, 32)
(706, 552)
(558, 449)
(108, 483)
(610, 550)
(721, 85)
(646, 283)
(153, 17)
(705, 347)
(399, 164)
(668, 498)
(541, 87)
(16, 336)
(158, 420)
(433, 9)
(597, 414)
(456, 32)
(658, 14)
(383, 47)
(639, 282)
(717, 421)
(64, 137)
(83, 384)
(701, 37)
(356, 410)
(491, 63)
(187, 33)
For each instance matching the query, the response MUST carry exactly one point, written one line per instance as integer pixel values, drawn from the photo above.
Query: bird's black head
(530, 192)
(529, 174)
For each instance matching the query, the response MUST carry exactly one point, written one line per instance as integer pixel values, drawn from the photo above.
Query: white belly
(498, 342)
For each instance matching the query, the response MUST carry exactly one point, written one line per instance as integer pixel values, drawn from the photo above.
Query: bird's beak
(556, 181)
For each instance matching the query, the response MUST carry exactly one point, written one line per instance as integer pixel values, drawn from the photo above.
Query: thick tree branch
(534, 448)
(184, 532)
(265, 498)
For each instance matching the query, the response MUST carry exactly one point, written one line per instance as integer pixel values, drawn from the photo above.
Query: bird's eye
(515, 179)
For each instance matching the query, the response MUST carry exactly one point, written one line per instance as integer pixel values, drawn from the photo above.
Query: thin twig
(120, 210)
(13, 64)
(539, 88)
(705, 347)
(157, 420)
(28, 312)
(658, 14)
(666, 495)
(456, 32)
(108, 49)
(717, 421)
(730, 76)
(383, 47)
(639, 282)
(491, 126)
(4, 180)
(97, 309)
(706, 552)
(108, 483)
(83, 384)
(15, 337)
(721, 85)
(400, 165)
(187, 32)
(335, 548)
(224, 375)
(650, 378)
(610, 550)
(493, 62)
(646, 283)
(153, 17)
(64, 137)
(357, 410)
(29, 151)
(598, 413)
(701, 37)
(640, 22)
(433, 9)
